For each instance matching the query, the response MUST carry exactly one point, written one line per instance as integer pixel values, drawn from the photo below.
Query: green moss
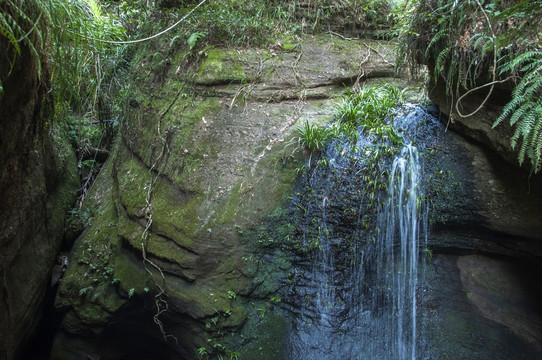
(202, 301)
(221, 66)
(89, 286)
(288, 43)
(133, 180)
(130, 273)
(130, 231)
(175, 213)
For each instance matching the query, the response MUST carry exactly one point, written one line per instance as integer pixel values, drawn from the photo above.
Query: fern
(503, 41)
(18, 26)
(193, 39)
(440, 35)
(7, 30)
(525, 108)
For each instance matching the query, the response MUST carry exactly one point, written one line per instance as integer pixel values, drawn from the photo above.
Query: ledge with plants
(488, 51)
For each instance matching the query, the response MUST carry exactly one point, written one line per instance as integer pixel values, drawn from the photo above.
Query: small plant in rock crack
(202, 351)
(214, 346)
(313, 137)
(86, 290)
(428, 253)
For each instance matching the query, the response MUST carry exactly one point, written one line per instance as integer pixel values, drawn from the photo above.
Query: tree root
(161, 303)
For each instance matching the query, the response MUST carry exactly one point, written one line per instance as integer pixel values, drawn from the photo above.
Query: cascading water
(398, 253)
(365, 309)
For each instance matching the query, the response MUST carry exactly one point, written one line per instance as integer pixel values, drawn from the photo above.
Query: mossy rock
(221, 67)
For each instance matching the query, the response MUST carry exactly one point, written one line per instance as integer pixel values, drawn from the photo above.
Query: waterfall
(398, 252)
(357, 284)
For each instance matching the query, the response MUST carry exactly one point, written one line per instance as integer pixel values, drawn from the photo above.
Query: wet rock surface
(465, 306)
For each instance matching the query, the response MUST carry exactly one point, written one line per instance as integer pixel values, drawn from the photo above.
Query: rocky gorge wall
(38, 184)
(198, 164)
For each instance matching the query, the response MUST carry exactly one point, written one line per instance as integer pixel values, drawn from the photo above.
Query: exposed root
(361, 72)
(341, 36)
(379, 54)
(294, 68)
(161, 303)
(492, 84)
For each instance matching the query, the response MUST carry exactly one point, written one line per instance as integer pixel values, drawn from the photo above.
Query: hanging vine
(156, 170)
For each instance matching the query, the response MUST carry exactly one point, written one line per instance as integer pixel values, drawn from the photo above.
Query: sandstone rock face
(198, 164)
(479, 126)
(494, 203)
(38, 183)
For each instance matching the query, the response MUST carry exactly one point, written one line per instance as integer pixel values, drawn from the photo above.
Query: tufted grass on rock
(368, 106)
(313, 137)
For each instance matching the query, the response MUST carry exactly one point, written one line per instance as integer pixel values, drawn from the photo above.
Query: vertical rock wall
(37, 188)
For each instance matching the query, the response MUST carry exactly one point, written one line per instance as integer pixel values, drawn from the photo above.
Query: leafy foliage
(234, 22)
(351, 14)
(21, 23)
(82, 59)
(193, 39)
(313, 137)
(525, 108)
(369, 107)
(474, 44)
(85, 68)
(262, 22)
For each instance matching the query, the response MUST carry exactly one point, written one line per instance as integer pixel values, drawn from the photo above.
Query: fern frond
(532, 91)
(479, 40)
(520, 60)
(193, 39)
(522, 151)
(521, 9)
(441, 34)
(7, 31)
(441, 60)
(519, 114)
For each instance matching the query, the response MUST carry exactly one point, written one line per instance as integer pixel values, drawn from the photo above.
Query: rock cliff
(188, 243)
